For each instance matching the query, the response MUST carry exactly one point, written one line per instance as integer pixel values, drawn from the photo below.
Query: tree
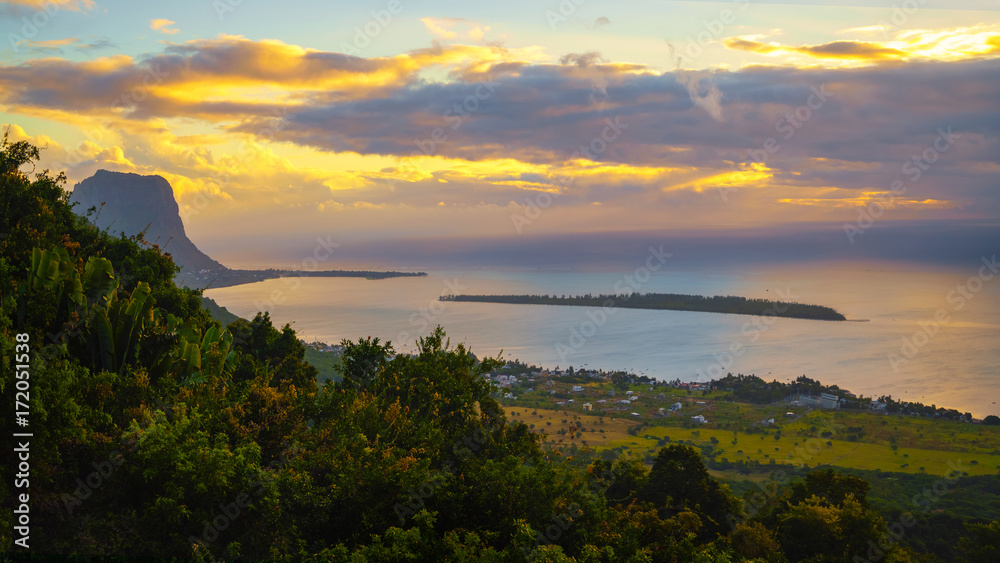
(831, 486)
(679, 480)
(992, 420)
(982, 545)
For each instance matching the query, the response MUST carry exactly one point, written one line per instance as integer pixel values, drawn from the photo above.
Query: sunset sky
(394, 119)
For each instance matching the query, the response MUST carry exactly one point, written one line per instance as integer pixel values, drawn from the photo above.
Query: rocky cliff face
(131, 203)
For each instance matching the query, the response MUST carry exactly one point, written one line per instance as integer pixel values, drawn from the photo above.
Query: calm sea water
(953, 362)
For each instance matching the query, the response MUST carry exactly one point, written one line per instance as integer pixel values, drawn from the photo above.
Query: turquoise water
(953, 363)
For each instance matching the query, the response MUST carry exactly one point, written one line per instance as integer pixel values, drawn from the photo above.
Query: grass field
(922, 445)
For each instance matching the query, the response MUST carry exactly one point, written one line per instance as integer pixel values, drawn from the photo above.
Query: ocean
(931, 336)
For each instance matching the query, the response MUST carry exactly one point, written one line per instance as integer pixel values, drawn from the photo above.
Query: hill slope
(129, 203)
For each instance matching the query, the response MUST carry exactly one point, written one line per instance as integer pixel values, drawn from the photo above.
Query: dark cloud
(872, 120)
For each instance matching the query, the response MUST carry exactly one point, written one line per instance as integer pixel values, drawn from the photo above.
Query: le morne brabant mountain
(120, 202)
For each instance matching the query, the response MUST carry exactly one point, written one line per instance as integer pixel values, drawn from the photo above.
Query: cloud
(479, 128)
(59, 45)
(455, 28)
(947, 44)
(858, 50)
(601, 21)
(50, 5)
(52, 43)
(581, 59)
(163, 26)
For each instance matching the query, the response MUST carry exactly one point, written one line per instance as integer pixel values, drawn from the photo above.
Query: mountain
(129, 203)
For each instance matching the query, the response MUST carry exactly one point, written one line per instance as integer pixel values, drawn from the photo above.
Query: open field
(969, 448)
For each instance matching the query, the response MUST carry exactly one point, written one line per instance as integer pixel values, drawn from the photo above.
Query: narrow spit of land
(668, 301)
(229, 277)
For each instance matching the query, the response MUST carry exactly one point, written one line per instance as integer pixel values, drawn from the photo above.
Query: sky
(387, 120)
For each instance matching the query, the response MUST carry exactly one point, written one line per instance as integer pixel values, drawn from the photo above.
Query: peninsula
(667, 301)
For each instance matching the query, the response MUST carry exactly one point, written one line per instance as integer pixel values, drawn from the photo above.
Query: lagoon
(928, 336)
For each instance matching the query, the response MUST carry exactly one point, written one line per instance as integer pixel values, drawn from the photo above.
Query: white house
(699, 419)
(578, 388)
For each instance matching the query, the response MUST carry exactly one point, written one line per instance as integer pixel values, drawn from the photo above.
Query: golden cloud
(75, 5)
(163, 26)
(944, 44)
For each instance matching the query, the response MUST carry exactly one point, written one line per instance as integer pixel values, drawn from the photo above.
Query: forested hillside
(158, 432)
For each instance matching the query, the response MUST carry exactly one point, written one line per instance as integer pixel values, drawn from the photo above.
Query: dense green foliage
(667, 301)
(159, 433)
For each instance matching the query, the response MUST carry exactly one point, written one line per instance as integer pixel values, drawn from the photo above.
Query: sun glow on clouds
(943, 45)
(268, 124)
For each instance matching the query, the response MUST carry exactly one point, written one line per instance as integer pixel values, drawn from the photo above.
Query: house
(662, 411)
(635, 414)
(570, 401)
(601, 401)
(628, 393)
(624, 402)
(588, 407)
(700, 403)
(698, 419)
(675, 407)
(560, 403)
(789, 414)
(828, 401)
(578, 388)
